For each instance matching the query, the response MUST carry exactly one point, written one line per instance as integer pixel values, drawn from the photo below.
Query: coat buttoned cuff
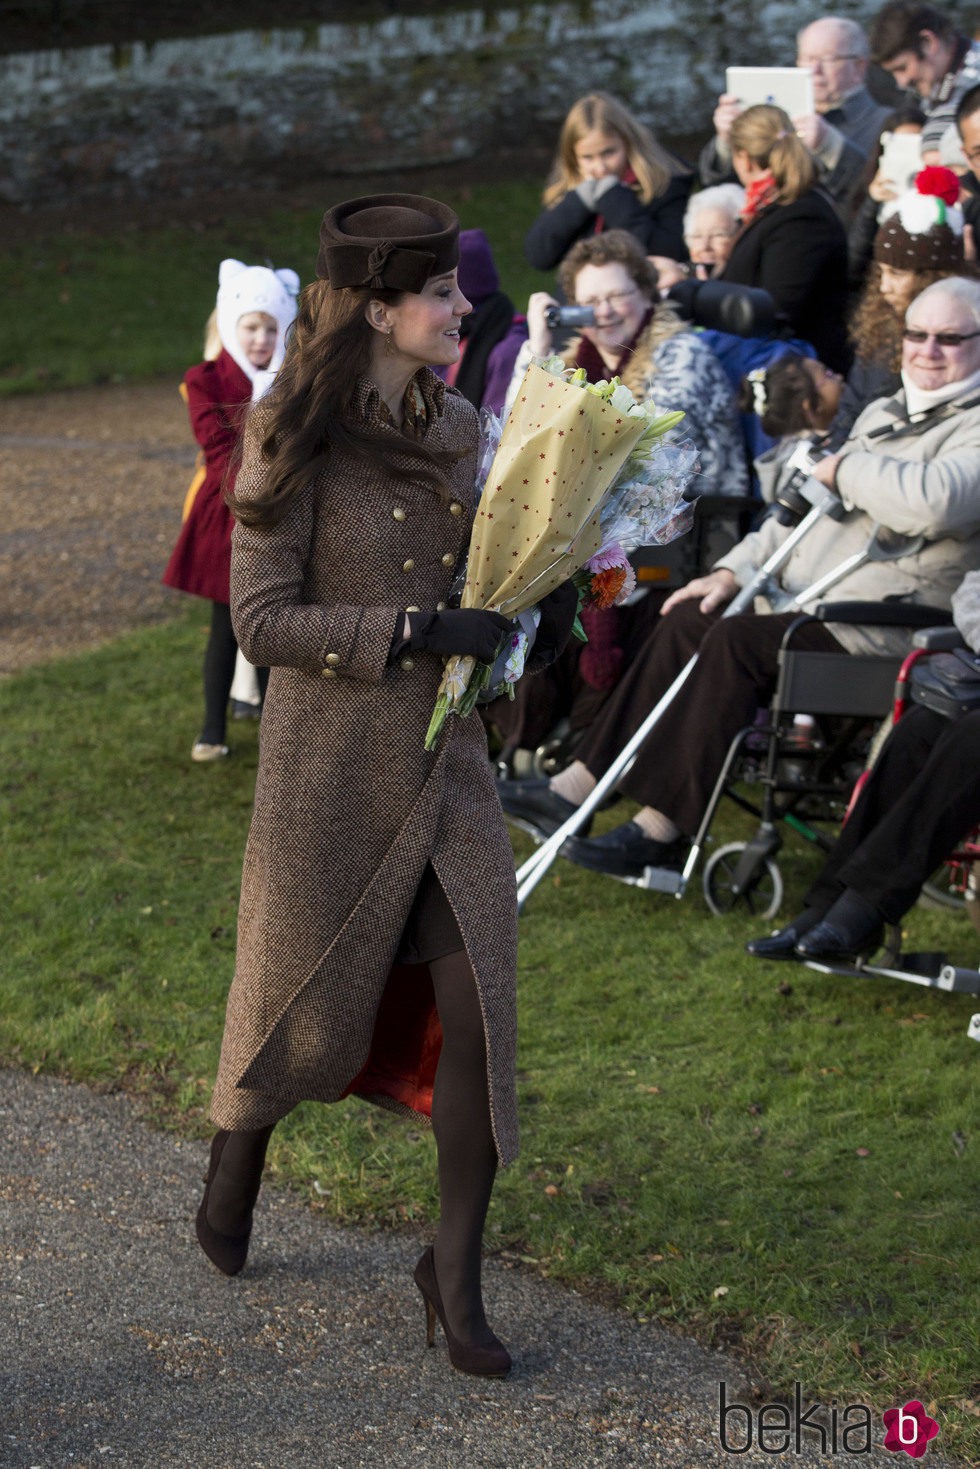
(359, 642)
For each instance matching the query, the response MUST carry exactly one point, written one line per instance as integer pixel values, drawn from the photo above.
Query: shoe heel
(430, 1322)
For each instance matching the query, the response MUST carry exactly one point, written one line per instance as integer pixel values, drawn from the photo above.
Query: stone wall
(185, 116)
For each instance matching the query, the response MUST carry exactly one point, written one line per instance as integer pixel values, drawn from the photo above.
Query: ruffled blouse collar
(422, 404)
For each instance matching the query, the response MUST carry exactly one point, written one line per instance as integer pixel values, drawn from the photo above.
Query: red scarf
(589, 356)
(759, 194)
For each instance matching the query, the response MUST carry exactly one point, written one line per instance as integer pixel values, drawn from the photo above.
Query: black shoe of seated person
(850, 930)
(625, 852)
(535, 807)
(781, 944)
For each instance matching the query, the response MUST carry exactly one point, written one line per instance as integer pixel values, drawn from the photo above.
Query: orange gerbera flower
(606, 586)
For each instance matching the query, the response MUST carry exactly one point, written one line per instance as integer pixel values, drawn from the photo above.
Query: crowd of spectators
(858, 222)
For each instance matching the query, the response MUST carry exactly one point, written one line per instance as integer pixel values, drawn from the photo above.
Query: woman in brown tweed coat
(377, 927)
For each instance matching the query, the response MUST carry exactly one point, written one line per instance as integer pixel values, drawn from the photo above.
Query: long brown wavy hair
(310, 410)
(876, 327)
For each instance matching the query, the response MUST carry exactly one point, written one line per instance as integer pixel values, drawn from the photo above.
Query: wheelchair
(804, 786)
(804, 789)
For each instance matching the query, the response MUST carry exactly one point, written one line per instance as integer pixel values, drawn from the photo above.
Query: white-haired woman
(711, 222)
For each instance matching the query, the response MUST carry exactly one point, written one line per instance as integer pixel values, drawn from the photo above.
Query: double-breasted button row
(331, 660)
(400, 513)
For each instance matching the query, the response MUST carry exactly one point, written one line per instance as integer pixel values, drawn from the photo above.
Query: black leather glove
(558, 611)
(459, 630)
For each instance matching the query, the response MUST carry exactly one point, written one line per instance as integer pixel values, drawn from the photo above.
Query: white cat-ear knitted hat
(243, 288)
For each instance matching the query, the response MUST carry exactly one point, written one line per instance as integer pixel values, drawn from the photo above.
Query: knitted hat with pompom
(923, 228)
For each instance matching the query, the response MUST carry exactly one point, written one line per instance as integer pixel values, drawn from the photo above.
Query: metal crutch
(823, 502)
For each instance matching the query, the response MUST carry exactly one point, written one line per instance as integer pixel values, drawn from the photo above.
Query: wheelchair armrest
(937, 639)
(728, 504)
(883, 614)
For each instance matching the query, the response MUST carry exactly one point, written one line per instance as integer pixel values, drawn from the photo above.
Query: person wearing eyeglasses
(922, 49)
(844, 126)
(643, 340)
(919, 241)
(711, 222)
(910, 467)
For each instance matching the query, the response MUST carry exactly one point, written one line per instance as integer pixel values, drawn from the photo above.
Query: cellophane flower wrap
(568, 451)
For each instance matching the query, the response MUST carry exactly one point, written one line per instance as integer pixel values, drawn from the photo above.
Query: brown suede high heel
(228, 1252)
(488, 1361)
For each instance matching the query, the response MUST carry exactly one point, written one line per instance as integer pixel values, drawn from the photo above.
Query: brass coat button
(408, 565)
(330, 673)
(332, 659)
(455, 508)
(408, 664)
(413, 609)
(449, 559)
(398, 513)
(440, 606)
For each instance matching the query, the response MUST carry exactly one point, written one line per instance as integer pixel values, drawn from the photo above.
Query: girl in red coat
(254, 310)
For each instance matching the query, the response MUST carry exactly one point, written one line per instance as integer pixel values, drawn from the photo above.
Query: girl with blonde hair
(609, 173)
(792, 242)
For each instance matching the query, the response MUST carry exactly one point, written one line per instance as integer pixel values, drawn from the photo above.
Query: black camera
(792, 501)
(569, 316)
(746, 311)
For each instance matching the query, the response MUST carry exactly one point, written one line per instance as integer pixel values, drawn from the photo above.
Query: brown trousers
(677, 767)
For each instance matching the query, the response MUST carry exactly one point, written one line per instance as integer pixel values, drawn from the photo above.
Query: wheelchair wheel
(941, 892)
(764, 895)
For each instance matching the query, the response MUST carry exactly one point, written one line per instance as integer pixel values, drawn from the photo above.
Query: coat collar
(425, 399)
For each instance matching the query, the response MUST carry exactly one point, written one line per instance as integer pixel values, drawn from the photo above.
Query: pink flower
(607, 557)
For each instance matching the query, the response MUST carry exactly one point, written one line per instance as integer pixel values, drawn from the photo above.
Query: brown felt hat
(387, 242)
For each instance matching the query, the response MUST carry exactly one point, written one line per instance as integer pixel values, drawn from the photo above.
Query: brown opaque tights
(466, 1150)
(464, 1139)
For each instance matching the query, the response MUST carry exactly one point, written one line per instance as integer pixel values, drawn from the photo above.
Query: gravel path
(92, 483)
(122, 1346)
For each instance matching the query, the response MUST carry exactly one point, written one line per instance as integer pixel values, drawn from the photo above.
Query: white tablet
(788, 87)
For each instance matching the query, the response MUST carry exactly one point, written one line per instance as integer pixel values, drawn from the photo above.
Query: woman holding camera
(609, 173)
(625, 331)
(792, 243)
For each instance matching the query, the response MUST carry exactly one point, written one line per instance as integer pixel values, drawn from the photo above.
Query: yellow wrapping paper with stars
(538, 519)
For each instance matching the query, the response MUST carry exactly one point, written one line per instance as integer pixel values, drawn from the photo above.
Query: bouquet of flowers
(580, 476)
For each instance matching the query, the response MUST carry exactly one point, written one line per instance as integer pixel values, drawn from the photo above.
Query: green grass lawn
(761, 1156)
(769, 1159)
(92, 308)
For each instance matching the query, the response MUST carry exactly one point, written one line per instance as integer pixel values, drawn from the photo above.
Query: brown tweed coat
(349, 807)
